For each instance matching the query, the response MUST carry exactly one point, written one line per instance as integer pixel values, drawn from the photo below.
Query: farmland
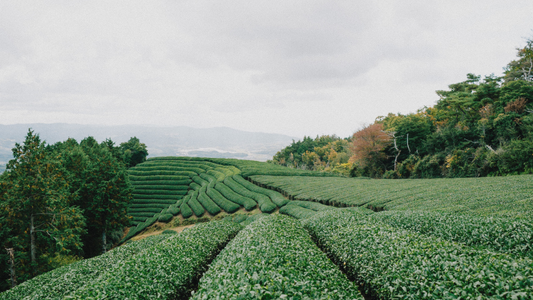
(280, 233)
(510, 196)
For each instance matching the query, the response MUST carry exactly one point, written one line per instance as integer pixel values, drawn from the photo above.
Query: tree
(134, 152)
(105, 195)
(38, 209)
(368, 148)
(522, 68)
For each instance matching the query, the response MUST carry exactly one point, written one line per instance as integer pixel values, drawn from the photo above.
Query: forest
(478, 127)
(63, 202)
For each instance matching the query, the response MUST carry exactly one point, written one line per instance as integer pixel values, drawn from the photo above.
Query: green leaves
(412, 265)
(271, 259)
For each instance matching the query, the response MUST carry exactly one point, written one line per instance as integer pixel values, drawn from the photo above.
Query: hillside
(443, 238)
(169, 187)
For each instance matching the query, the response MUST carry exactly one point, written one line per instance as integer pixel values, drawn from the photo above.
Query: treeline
(62, 202)
(328, 153)
(479, 127)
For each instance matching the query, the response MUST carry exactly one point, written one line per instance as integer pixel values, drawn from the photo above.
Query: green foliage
(165, 218)
(247, 203)
(195, 206)
(134, 152)
(167, 270)
(168, 231)
(265, 204)
(253, 218)
(297, 211)
(104, 195)
(412, 264)
(61, 282)
(497, 234)
(186, 211)
(269, 259)
(221, 201)
(493, 196)
(39, 217)
(276, 197)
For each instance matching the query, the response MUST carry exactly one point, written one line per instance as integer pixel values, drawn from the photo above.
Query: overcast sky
(293, 67)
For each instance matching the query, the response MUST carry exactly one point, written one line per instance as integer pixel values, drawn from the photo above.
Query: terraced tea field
(169, 187)
(296, 236)
(510, 196)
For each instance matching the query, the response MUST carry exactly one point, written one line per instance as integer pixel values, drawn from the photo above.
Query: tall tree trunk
(104, 241)
(11, 253)
(32, 241)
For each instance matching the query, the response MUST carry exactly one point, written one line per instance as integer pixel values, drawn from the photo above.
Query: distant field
(489, 196)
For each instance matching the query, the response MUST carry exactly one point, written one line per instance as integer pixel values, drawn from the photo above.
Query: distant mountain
(220, 142)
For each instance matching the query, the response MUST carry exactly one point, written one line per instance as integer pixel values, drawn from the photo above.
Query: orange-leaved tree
(368, 145)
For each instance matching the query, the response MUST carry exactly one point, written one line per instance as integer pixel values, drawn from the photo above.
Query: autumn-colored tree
(368, 147)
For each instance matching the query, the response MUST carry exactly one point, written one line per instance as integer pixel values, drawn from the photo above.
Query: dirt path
(176, 229)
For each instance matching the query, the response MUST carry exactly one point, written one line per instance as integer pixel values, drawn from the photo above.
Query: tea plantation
(280, 233)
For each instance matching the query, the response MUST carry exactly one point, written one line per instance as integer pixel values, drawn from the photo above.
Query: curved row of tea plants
(504, 235)
(165, 187)
(60, 282)
(489, 196)
(393, 263)
(169, 270)
(274, 258)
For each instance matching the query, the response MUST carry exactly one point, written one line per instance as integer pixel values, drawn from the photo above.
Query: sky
(290, 67)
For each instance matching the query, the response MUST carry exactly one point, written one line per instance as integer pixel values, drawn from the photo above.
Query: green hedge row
(168, 270)
(154, 178)
(312, 205)
(165, 197)
(221, 201)
(195, 186)
(228, 171)
(186, 211)
(174, 210)
(60, 282)
(208, 178)
(505, 235)
(195, 206)
(270, 259)
(162, 187)
(199, 180)
(165, 218)
(143, 214)
(265, 204)
(393, 263)
(155, 201)
(182, 191)
(160, 173)
(276, 197)
(253, 218)
(144, 209)
(217, 174)
(207, 202)
(142, 167)
(151, 205)
(228, 193)
(296, 211)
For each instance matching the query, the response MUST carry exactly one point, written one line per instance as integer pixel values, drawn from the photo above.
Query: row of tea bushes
(265, 203)
(508, 196)
(505, 235)
(274, 258)
(169, 270)
(60, 282)
(394, 263)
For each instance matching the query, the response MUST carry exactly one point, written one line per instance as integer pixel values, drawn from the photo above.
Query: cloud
(256, 65)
